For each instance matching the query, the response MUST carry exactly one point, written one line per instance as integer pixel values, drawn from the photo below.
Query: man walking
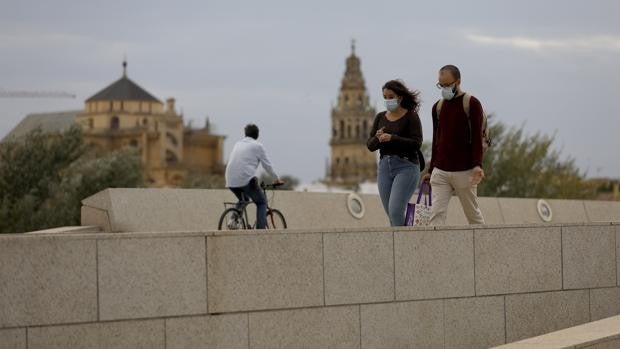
(457, 152)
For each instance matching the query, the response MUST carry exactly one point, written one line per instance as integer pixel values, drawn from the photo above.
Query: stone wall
(131, 210)
(353, 288)
(600, 334)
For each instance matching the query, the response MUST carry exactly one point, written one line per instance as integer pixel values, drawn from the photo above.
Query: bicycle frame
(243, 204)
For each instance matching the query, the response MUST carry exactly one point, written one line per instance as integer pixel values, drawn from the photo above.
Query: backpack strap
(438, 108)
(466, 102)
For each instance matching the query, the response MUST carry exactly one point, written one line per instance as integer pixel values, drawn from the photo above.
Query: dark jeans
(254, 192)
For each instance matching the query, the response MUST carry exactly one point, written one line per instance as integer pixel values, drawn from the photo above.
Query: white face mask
(447, 93)
(391, 104)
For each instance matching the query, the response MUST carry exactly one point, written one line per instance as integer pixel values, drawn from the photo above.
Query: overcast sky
(549, 65)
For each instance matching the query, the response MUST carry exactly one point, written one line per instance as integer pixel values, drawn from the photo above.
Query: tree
(527, 166)
(522, 165)
(44, 177)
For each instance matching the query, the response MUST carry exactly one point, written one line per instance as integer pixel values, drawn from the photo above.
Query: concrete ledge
(403, 325)
(603, 211)
(599, 334)
(13, 338)
(519, 211)
(222, 331)
(331, 327)
(69, 230)
(110, 335)
(474, 322)
(264, 272)
(617, 255)
(141, 278)
(607, 344)
(533, 314)
(91, 216)
(518, 260)
(359, 268)
(434, 264)
(589, 256)
(568, 211)
(123, 210)
(276, 289)
(47, 281)
(159, 209)
(604, 302)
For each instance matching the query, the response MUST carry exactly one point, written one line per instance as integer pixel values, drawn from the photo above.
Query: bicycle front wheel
(231, 219)
(275, 220)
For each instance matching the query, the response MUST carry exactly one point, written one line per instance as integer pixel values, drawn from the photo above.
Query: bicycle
(236, 217)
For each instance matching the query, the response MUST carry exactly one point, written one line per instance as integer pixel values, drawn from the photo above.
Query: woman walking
(397, 134)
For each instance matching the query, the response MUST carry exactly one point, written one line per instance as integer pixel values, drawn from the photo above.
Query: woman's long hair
(410, 100)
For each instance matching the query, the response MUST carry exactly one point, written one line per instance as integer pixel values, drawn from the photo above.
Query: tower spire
(353, 46)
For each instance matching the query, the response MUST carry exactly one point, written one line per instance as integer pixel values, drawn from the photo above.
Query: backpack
(487, 142)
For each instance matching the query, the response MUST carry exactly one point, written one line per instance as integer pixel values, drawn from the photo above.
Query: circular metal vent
(356, 206)
(544, 210)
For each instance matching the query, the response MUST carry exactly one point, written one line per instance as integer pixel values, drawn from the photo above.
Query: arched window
(171, 158)
(346, 160)
(357, 131)
(172, 138)
(115, 123)
(349, 131)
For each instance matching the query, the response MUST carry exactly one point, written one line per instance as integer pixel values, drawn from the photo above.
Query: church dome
(123, 89)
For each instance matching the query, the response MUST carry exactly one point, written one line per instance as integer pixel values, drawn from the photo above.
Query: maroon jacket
(452, 150)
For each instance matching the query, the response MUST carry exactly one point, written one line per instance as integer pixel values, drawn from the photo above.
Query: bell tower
(351, 163)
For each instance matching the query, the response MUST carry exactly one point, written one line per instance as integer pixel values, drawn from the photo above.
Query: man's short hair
(251, 131)
(452, 69)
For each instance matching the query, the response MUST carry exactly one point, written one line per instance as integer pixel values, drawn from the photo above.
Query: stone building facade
(125, 115)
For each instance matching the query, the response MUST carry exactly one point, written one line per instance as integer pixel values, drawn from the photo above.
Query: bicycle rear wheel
(231, 219)
(275, 220)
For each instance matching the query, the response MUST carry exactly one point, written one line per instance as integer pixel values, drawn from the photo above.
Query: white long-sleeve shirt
(245, 157)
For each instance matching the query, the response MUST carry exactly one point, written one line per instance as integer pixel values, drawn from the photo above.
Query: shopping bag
(419, 214)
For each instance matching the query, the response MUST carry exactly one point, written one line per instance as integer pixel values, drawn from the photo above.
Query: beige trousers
(444, 184)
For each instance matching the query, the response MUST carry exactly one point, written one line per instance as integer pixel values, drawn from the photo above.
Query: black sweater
(406, 136)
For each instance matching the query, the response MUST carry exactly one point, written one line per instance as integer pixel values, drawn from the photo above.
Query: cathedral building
(125, 115)
(351, 163)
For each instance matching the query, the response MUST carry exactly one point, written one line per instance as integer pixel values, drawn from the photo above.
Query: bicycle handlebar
(270, 186)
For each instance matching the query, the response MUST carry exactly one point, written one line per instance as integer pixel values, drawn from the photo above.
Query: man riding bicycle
(241, 179)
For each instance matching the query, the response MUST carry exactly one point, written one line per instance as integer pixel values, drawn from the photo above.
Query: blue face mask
(447, 93)
(391, 104)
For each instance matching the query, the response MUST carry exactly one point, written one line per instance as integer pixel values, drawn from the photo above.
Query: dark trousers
(254, 192)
